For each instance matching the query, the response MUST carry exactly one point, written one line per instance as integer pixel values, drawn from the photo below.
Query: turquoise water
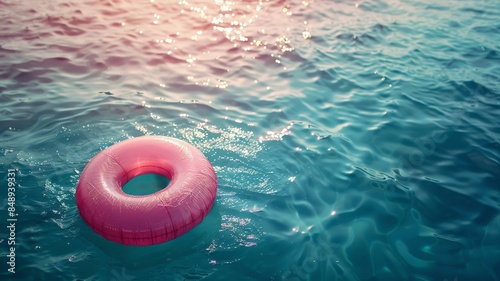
(351, 140)
(145, 184)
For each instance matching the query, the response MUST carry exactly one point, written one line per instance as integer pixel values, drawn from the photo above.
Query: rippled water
(352, 140)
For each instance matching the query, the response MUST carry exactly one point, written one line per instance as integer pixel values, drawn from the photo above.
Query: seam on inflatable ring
(93, 210)
(168, 213)
(116, 161)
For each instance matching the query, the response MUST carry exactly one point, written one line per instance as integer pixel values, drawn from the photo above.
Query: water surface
(351, 140)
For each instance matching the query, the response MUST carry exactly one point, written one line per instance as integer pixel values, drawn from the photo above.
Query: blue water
(351, 140)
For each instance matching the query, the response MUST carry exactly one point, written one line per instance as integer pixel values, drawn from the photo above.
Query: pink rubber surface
(153, 218)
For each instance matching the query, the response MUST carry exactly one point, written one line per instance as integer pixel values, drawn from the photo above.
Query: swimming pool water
(351, 140)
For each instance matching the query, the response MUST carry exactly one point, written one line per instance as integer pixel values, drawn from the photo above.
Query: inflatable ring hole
(146, 184)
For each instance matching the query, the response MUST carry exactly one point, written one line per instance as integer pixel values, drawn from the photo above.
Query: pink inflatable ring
(153, 218)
